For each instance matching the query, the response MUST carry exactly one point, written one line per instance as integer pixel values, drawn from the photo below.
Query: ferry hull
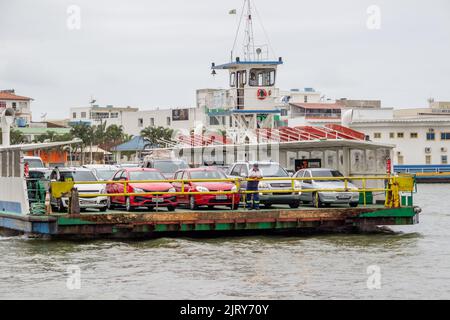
(121, 225)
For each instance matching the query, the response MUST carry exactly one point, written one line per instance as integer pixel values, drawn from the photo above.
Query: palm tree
(156, 134)
(84, 132)
(16, 137)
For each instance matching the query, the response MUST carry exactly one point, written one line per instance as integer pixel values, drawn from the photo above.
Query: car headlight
(103, 191)
(263, 185)
(234, 189)
(297, 185)
(201, 189)
(172, 190)
(138, 190)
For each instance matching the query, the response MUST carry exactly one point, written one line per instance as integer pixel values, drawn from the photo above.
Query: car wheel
(171, 208)
(317, 202)
(192, 204)
(210, 207)
(109, 205)
(128, 205)
(354, 204)
(294, 205)
(103, 209)
(267, 205)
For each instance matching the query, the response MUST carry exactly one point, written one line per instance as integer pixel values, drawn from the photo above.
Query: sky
(149, 53)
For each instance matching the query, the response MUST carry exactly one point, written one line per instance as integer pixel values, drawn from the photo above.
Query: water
(414, 263)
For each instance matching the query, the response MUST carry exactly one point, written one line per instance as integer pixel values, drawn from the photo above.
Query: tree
(156, 135)
(16, 137)
(85, 133)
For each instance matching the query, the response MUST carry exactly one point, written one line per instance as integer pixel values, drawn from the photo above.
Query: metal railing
(391, 184)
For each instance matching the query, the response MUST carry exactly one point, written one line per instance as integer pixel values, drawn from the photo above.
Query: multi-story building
(20, 104)
(419, 139)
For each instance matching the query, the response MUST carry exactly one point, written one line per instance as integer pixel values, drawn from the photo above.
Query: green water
(414, 263)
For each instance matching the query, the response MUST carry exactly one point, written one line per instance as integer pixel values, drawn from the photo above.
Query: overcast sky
(150, 53)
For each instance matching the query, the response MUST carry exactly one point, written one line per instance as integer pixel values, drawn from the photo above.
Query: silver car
(319, 199)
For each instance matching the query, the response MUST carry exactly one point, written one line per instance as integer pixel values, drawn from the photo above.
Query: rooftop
(10, 95)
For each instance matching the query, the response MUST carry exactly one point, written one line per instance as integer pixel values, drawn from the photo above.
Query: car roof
(100, 166)
(320, 169)
(66, 169)
(32, 157)
(132, 169)
(258, 162)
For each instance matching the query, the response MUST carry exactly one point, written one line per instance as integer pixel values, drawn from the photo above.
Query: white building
(421, 136)
(134, 120)
(21, 105)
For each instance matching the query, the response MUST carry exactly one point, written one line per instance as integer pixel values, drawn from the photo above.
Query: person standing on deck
(252, 185)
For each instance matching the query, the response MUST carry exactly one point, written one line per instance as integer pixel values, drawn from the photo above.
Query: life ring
(261, 94)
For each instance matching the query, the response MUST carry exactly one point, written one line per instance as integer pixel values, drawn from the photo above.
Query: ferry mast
(252, 103)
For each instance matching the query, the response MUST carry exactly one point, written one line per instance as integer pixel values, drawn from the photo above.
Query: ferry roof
(236, 64)
(36, 146)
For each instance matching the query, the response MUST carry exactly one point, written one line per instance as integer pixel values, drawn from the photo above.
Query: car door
(307, 184)
(120, 186)
(110, 188)
(177, 185)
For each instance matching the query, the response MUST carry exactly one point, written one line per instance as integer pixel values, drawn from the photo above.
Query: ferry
(255, 135)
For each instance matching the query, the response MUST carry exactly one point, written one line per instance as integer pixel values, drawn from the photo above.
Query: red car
(210, 200)
(150, 201)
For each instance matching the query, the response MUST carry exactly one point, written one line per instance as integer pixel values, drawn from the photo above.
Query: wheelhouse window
(262, 77)
(445, 135)
(233, 79)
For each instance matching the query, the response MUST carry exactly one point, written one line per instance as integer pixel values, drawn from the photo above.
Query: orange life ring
(261, 94)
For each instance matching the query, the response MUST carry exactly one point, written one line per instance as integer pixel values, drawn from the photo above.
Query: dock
(144, 225)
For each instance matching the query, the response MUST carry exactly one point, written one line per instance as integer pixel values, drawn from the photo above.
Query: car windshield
(79, 175)
(207, 174)
(170, 166)
(105, 174)
(272, 170)
(34, 163)
(145, 175)
(326, 174)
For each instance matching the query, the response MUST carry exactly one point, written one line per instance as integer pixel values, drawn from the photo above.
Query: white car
(79, 174)
(103, 172)
(321, 198)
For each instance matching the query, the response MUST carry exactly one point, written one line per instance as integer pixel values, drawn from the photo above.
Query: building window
(152, 122)
(168, 121)
(401, 160)
(428, 159)
(140, 122)
(74, 115)
(14, 105)
(284, 112)
(305, 99)
(431, 136)
(83, 115)
(400, 134)
(2, 104)
(114, 115)
(414, 135)
(445, 135)
(444, 160)
(377, 135)
(392, 135)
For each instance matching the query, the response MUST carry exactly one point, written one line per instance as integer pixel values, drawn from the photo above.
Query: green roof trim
(42, 130)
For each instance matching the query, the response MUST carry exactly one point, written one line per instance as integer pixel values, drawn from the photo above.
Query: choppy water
(414, 263)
